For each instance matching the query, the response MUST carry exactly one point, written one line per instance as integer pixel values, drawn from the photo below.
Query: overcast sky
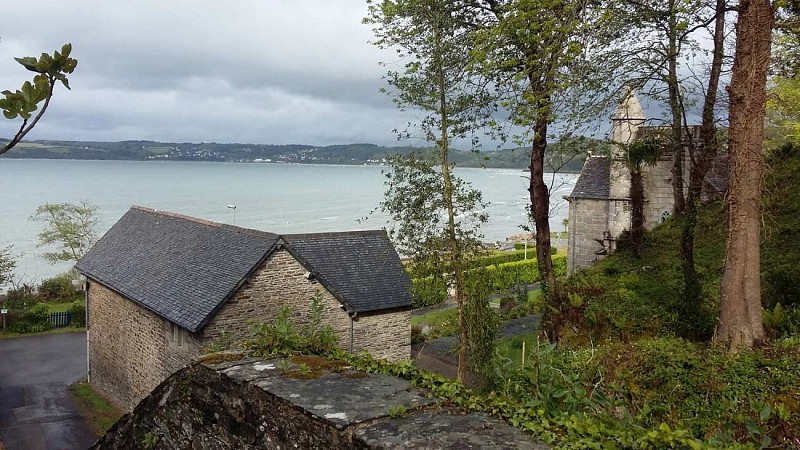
(249, 71)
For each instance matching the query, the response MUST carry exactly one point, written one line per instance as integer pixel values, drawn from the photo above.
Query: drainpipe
(86, 321)
(353, 315)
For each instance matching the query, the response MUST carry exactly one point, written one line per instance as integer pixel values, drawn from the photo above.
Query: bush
(34, 320)
(58, 289)
(78, 312)
(428, 291)
(20, 297)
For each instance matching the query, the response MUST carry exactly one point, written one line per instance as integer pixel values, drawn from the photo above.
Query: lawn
(95, 409)
(511, 348)
(59, 307)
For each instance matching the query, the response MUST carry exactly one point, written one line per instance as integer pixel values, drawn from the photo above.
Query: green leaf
(765, 413)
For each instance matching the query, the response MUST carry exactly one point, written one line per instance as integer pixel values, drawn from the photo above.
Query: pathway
(36, 412)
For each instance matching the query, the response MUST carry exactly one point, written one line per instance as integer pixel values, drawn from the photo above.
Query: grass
(10, 335)
(96, 409)
(59, 307)
(441, 323)
(511, 348)
(436, 318)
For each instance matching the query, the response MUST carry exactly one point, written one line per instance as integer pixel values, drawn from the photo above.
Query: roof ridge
(334, 234)
(209, 223)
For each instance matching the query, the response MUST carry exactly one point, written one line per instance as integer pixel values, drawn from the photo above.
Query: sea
(281, 198)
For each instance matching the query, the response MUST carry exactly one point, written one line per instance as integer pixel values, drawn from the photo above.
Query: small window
(176, 334)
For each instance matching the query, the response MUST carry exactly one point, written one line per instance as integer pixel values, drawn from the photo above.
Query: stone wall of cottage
(588, 220)
(132, 350)
(385, 335)
(281, 280)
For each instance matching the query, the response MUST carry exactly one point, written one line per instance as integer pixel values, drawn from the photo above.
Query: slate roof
(338, 262)
(184, 269)
(594, 180)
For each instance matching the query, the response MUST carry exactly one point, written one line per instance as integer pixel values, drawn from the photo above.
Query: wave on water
(330, 218)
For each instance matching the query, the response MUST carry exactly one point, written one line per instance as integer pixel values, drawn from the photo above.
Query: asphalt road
(36, 412)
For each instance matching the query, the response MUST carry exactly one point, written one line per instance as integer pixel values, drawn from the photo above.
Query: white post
(526, 248)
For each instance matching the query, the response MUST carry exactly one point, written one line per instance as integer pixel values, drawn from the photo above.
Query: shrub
(78, 313)
(279, 338)
(316, 338)
(34, 320)
(282, 337)
(58, 289)
(20, 297)
(428, 291)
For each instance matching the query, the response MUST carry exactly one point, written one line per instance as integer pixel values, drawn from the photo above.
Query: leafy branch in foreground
(25, 101)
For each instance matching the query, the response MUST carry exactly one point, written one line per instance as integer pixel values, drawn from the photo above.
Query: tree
(639, 154)
(7, 265)
(536, 53)
(740, 323)
(70, 227)
(702, 155)
(25, 101)
(431, 35)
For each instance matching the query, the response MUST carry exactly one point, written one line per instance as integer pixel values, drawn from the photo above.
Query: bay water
(281, 198)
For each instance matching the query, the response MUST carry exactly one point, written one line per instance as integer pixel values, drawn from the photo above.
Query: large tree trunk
(702, 156)
(540, 202)
(740, 315)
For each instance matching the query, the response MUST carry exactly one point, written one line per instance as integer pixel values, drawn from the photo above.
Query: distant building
(162, 285)
(600, 206)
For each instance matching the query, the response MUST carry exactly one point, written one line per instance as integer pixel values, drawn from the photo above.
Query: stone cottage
(599, 205)
(161, 286)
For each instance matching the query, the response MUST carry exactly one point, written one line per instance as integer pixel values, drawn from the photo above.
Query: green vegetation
(95, 409)
(70, 227)
(28, 308)
(284, 338)
(23, 102)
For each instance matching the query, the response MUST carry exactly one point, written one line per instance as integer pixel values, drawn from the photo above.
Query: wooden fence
(60, 319)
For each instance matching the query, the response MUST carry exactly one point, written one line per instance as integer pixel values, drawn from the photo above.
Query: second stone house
(161, 286)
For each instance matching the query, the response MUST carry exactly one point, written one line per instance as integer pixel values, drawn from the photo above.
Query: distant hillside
(357, 154)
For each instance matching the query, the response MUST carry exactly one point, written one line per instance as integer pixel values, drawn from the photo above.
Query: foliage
(70, 227)
(782, 322)
(428, 291)
(783, 111)
(78, 313)
(282, 338)
(279, 338)
(435, 324)
(25, 101)
(315, 337)
(20, 296)
(32, 320)
(7, 265)
(58, 289)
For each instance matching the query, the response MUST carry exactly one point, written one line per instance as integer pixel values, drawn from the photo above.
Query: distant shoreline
(345, 155)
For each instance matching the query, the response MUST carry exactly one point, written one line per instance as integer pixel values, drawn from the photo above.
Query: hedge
(432, 290)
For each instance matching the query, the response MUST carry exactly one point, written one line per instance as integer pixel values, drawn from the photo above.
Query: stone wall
(385, 335)
(282, 281)
(251, 404)
(131, 349)
(588, 219)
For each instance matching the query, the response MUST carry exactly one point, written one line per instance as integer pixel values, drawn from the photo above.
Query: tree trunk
(676, 128)
(740, 315)
(702, 156)
(540, 201)
(637, 211)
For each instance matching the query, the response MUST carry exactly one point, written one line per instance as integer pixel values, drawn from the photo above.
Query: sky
(246, 71)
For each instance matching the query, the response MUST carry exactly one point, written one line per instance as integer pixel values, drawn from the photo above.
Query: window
(175, 334)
